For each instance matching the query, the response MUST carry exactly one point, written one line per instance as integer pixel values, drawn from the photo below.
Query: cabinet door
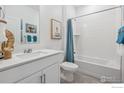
(52, 74)
(35, 78)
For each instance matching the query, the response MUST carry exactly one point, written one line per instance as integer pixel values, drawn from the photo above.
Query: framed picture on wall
(30, 28)
(56, 32)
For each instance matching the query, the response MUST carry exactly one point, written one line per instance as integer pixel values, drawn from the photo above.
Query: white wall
(70, 11)
(98, 33)
(14, 14)
(61, 13)
(46, 14)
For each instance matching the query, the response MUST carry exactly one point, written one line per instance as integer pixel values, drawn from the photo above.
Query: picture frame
(30, 28)
(56, 32)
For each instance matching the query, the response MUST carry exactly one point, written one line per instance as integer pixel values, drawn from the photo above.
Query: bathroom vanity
(41, 66)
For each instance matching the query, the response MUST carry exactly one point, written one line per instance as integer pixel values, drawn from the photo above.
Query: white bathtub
(106, 71)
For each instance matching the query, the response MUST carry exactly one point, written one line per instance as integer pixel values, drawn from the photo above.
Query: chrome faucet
(28, 51)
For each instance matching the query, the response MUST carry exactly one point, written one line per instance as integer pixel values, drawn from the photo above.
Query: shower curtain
(69, 45)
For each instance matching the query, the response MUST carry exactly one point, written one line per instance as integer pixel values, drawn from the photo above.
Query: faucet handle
(25, 51)
(29, 50)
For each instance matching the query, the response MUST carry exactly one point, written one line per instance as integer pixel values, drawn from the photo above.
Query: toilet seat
(69, 66)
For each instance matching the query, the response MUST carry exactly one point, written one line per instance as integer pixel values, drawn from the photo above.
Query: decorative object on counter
(7, 40)
(56, 32)
(1, 55)
(8, 46)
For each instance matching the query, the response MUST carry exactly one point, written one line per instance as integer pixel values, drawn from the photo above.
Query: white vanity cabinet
(50, 74)
(41, 70)
(34, 78)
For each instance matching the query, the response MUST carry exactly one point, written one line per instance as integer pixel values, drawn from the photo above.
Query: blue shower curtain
(120, 39)
(69, 45)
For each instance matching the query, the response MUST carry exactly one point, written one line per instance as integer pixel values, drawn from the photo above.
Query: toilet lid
(69, 65)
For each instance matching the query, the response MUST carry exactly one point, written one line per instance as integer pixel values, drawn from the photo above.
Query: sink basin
(30, 55)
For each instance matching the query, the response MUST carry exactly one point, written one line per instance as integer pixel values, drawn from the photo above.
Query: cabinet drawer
(35, 78)
(20, 72)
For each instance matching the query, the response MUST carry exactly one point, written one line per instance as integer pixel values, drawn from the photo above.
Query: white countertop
(16, 61)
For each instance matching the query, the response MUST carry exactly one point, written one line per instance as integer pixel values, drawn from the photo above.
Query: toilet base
(67, 76)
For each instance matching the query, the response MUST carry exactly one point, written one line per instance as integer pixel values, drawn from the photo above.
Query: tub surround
(105, 71)
(23, 65)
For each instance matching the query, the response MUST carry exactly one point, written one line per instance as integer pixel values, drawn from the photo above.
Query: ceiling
(77, 6)
(36, 7)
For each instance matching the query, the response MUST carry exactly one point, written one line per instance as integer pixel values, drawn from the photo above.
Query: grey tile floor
(82, 78)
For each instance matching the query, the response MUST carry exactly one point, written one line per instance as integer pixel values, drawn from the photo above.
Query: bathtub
(104, 70)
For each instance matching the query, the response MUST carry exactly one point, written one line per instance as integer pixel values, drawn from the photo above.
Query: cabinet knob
(44, 78)
(41, 79)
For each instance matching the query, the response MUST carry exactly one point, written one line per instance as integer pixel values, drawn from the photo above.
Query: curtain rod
(96, 12)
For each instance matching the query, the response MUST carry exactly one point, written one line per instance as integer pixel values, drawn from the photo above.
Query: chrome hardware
(44, 78)
(28, 51)
(41, 79)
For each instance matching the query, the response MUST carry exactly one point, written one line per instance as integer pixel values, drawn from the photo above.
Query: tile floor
(82, 78)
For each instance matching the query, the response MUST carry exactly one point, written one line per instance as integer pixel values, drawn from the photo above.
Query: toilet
(68, 69)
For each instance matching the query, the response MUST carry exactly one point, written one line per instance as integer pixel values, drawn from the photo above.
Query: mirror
(23, 21)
